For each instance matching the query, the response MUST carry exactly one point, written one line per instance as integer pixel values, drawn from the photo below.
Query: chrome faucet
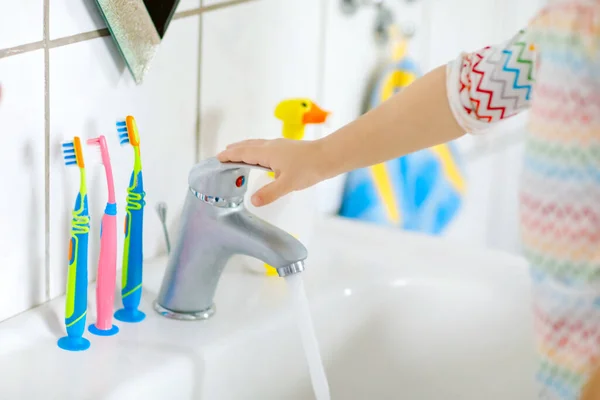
(215, 225)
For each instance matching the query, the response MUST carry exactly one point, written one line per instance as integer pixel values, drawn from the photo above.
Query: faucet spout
(254, 237)
(214, 227)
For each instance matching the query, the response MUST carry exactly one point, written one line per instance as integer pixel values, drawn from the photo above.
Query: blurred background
(219, 73)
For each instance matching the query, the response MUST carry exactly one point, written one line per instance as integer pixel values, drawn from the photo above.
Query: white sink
(396, 319)
(397, 316)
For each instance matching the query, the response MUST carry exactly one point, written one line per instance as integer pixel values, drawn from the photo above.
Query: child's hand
(297, 164)
(399, 126)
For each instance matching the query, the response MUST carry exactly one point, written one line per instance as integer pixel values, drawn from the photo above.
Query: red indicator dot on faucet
(239, 182)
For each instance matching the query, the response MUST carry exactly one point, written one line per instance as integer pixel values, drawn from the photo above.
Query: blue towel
(419, 192)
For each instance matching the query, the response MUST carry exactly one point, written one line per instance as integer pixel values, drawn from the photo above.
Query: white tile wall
(22, 210)
(207, 3)
(21, 22)
(271, 54)
(87, 95)
(69, 17)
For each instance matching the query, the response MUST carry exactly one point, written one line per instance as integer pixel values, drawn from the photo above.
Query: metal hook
(409, 29)
(350, 7)
(383, 20)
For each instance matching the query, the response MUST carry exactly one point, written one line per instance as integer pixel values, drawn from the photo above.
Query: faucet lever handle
(215, 179)
(229, 165)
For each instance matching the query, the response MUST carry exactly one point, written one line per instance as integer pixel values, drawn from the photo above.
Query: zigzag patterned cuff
(492, 84)
(464, 119)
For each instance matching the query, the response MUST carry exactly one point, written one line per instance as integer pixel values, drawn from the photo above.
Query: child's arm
(591, 391)
(474, 91)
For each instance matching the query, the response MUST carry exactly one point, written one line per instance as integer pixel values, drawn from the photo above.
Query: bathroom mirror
(137, 27)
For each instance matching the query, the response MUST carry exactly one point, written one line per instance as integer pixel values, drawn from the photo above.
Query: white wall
(217, 77)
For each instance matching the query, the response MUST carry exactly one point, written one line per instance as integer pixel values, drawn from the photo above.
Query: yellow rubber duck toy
(296, 114)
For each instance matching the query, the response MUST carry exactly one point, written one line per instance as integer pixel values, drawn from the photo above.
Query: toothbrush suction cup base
(130, 315)
(103, 332)
(73, 344)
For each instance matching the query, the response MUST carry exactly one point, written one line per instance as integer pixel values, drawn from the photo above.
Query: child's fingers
(223, 156)
(271, 192)
(232, 154)
(253, 155)
(249, 142)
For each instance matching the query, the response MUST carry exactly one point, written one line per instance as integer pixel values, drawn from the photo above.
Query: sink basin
(397, 316)
(419, 321)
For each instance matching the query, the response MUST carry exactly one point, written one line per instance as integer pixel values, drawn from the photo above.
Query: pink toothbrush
(107, 264)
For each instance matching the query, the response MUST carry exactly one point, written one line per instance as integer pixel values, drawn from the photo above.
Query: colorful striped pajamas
(553, 69)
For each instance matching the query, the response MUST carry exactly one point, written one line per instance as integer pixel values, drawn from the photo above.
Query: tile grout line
(47, 147)
(85, 36)
(24, 48)
(80, 37)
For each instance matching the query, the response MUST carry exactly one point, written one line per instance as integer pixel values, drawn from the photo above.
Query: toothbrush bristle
(72, 153)
(95, 154)
(122, 133)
